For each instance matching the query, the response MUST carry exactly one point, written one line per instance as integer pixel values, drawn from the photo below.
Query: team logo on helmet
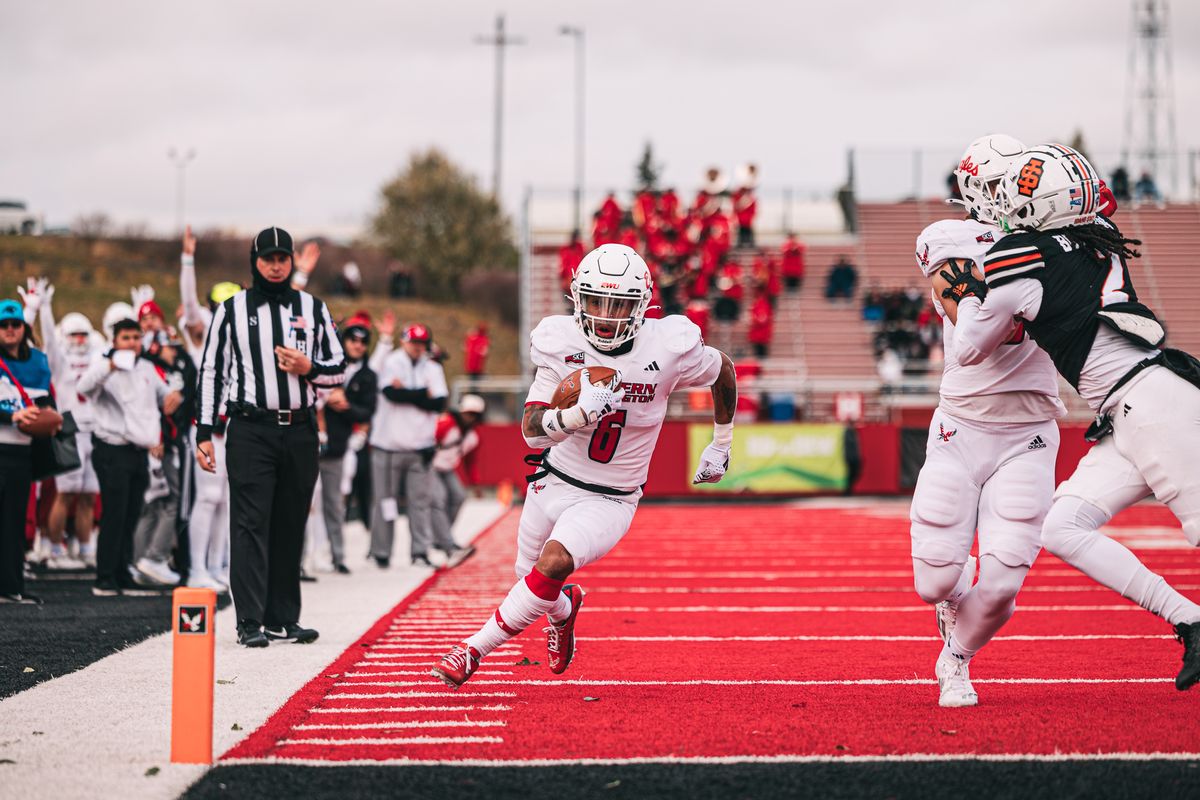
(1031, 176)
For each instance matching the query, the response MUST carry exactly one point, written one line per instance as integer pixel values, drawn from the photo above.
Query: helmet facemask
(607, 319)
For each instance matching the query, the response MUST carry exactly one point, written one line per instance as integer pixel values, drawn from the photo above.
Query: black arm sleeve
(409, 396)
(432, 404)
(362, 408)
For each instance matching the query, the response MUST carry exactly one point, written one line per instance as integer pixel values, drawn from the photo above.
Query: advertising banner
(793, 458)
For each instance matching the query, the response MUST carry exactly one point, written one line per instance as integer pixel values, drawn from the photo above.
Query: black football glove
(963, 282)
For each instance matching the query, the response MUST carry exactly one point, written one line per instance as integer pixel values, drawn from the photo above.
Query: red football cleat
(560, 636)
(457, 666)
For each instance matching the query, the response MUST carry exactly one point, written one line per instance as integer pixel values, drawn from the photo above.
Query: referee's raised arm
(268, 349)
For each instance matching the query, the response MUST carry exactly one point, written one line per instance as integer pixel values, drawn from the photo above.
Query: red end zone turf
(754, 631)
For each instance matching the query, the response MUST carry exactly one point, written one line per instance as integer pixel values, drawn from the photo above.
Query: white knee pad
(999, 583)
(944, 509)
(935, 582)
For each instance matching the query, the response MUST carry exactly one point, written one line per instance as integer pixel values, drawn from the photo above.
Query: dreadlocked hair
(1104, 240)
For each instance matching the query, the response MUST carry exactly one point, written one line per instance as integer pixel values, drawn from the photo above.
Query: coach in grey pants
(412, 393)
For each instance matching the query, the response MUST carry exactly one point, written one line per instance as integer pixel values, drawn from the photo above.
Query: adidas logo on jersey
(652, 367)
(1037, 443)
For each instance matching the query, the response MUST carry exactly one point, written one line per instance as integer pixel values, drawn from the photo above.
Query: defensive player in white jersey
(70, 346)
(583, 496)
(989, 461)
(1064, 271)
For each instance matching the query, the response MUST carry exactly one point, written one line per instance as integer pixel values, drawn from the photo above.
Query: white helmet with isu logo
(1049, 186)
(980, 170)
(611, 290)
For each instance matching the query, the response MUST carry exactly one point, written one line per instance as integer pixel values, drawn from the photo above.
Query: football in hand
(48, 423)
(567, 393)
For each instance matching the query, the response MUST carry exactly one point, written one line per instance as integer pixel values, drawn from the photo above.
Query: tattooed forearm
(531, 425)
(724, 393)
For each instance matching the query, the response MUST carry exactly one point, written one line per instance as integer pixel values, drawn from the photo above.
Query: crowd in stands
(690, 249)
(908, 332)
(97, 440)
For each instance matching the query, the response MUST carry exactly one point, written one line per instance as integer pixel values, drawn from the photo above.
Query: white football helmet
(75, 324)
(1049, 186)
(114, 314)
(611, 289)
(980, 170)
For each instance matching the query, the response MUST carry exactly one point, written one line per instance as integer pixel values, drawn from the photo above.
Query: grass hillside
(89, 275)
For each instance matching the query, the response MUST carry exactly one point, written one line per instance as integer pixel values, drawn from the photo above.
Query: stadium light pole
(499, 41)
(181, 161)
(578, 34)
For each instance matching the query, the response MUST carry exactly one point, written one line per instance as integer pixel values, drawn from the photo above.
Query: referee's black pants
(272, 473)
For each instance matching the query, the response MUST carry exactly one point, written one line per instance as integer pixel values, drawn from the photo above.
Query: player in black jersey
(1064, 272)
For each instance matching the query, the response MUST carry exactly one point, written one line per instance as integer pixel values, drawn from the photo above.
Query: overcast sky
(299, 111)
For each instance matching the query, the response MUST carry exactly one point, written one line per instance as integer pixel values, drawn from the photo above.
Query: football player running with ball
(1064, 272)
(989, 461)
(588, 478)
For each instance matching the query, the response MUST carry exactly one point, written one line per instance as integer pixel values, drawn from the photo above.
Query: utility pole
(181, 161)
(578, 34)
(500, 41)
(1150, 99)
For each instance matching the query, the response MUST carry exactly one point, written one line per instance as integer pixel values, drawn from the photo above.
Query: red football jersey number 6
(603, 446)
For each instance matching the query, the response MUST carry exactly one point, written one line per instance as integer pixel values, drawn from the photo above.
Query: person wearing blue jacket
(24, 386)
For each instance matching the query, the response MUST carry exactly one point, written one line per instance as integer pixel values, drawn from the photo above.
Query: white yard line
(392, 742)
(734, 682)
(117, 711)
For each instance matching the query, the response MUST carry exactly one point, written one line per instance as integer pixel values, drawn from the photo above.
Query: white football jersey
(1018, 367)
(668, 354)
(67, 365)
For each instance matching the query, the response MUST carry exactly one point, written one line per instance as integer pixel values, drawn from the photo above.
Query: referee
(267, 350)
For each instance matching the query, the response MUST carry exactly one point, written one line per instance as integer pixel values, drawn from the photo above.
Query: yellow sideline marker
(193, 612)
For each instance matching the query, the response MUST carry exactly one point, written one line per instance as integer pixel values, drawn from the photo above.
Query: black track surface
(1161, 780)
(73, 629)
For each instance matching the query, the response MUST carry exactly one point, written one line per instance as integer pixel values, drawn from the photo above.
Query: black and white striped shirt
(239, 354)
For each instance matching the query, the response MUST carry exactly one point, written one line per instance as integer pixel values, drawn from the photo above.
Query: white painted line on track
(924, 609)
(448, 693)
(1064, 637)
(404, 740)
(408, 672)
(734, 759)
(371, 726)
(407, 709)
(772, 682)
(907, 589)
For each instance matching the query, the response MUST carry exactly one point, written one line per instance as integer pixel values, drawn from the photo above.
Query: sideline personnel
(267, 350)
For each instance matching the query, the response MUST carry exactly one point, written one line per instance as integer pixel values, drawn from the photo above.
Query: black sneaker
(250, 634)
(341, 569)
(306, 578)
(1188, 634)
(106, 589)
(421, 561)
(292, 632)
(382, 561)
(21, 598)
(457, 555)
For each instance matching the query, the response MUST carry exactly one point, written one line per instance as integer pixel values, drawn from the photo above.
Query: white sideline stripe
(746, 759)
(1062, 637)
(407, 709)
(447, 723)
(482, 671)
(1094, 587)
(716, 682)
(923, 609)
(444, 695)
(778, 574)
(405, 740)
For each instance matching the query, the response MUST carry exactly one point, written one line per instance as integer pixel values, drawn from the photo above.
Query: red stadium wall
(502, 448)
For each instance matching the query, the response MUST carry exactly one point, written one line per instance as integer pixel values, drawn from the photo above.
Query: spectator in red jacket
(569, 256)
(762, 324)
(698, 312)
(668, 207)
(792, 254)
(745, 204)
(476, 351)
(729, 283)
(455, 443)
(645, 209)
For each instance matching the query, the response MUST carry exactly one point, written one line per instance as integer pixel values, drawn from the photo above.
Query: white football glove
(39, 291)
(714, 461)
(595, 401)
